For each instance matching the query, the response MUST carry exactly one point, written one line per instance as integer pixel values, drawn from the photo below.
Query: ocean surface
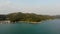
(46, 27)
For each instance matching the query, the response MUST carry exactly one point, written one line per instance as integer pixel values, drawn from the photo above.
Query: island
(24, 17)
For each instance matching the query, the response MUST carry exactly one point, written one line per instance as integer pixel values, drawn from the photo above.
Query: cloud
(6, 6)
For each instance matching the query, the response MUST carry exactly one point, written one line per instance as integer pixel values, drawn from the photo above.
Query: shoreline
(27, 22)
(35, 22)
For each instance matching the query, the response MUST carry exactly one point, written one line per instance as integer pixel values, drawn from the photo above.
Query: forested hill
(27, 17)
(57, 16)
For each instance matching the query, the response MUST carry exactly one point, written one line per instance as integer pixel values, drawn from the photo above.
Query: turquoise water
(46, 27)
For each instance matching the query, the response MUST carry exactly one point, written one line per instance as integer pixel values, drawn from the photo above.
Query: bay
(46, 27)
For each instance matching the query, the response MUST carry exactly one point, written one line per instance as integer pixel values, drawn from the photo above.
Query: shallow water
(46, 27)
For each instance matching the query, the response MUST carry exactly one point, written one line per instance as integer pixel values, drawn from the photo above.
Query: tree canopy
(29, 17)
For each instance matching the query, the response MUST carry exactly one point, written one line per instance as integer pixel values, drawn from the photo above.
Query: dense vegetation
(3, 17)
(27, 17)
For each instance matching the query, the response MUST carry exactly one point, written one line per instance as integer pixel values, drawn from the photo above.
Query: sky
(45, 7)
